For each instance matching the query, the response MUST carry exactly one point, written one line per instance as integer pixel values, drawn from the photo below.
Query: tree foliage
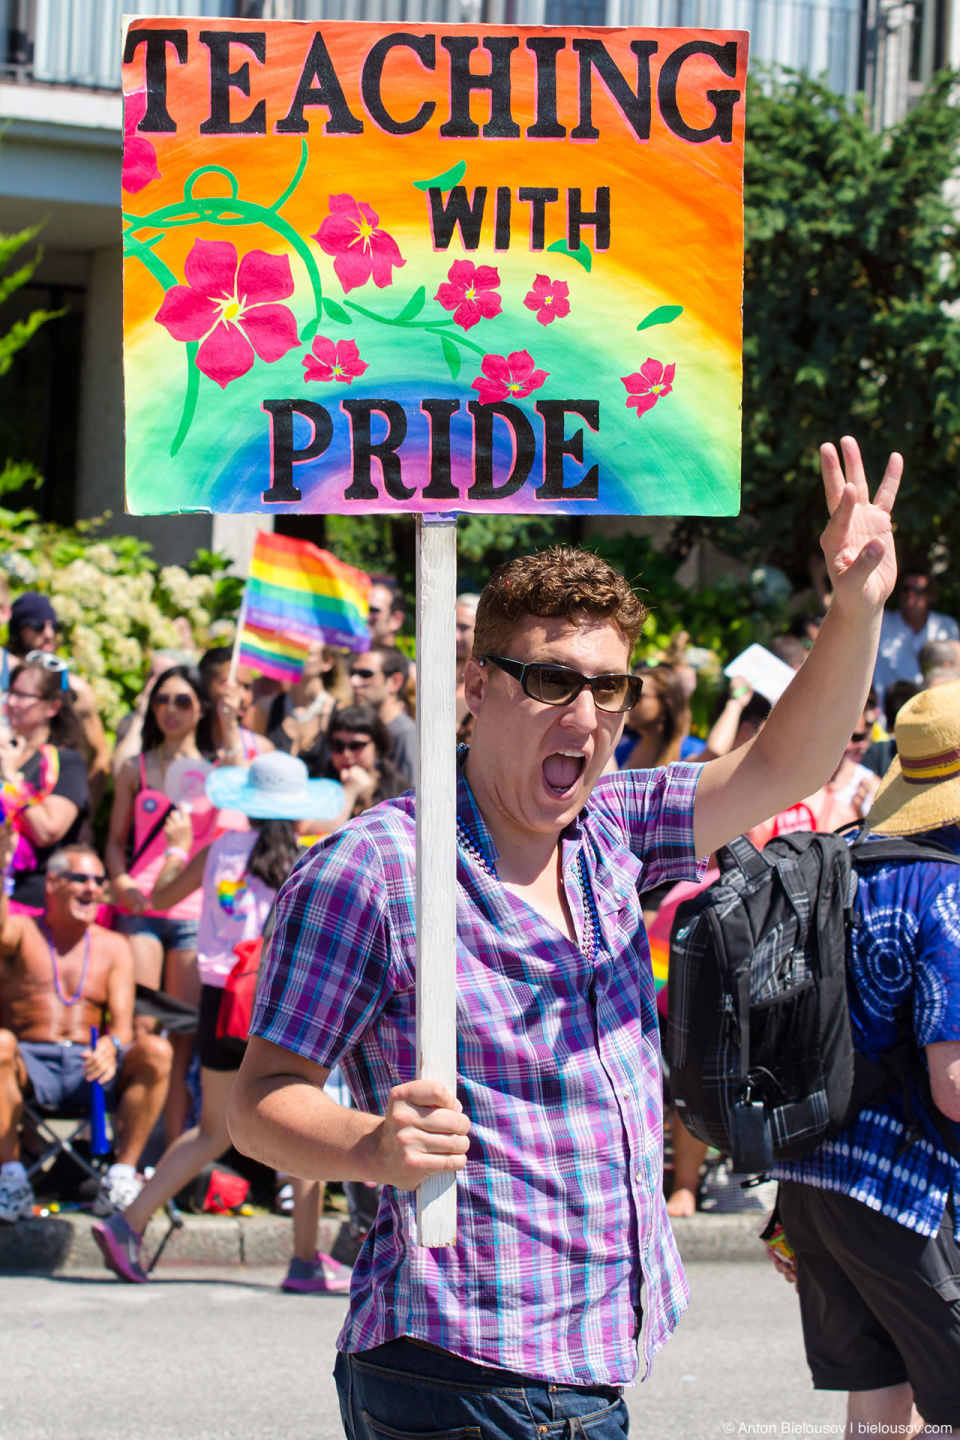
(17, 473)
(852, 255)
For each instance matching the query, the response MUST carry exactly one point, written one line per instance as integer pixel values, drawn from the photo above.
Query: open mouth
(562, 771)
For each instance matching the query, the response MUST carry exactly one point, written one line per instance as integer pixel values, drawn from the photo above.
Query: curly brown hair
(561, 581)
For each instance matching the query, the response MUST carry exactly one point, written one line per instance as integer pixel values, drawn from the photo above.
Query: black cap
(32, 609)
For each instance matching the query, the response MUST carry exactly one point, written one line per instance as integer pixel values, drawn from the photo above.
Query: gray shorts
(55, 1074)
(880, 1304)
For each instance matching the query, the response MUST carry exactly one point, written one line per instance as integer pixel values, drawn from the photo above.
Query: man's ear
(474, 683)
(401, 680)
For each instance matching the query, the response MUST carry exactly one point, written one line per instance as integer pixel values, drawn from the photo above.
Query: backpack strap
(901, 848)
(743, 854)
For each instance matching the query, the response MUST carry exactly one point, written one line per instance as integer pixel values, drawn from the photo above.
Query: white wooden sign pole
(437, 844)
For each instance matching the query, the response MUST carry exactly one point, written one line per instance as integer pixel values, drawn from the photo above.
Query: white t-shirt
(898, 657)
(235, 905)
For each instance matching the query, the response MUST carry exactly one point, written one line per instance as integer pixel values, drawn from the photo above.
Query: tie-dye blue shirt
(904, 949)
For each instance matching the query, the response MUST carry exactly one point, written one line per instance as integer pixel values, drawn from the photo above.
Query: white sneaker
(116, 1192)
(16, 1199)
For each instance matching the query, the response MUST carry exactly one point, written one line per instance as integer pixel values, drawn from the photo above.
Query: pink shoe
(325, 1275)
(122, 1249)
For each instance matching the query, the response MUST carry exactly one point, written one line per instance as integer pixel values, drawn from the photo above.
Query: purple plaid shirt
(560, 1206)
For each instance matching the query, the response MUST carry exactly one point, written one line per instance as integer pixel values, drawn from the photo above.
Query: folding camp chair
(40, 1121)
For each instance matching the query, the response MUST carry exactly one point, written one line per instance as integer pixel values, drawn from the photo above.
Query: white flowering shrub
(116, 607)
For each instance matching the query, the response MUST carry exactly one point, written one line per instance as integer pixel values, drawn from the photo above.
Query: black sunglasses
(363, 674)
(180, 701)
(79, 878)
(559, 685)
(352, 747)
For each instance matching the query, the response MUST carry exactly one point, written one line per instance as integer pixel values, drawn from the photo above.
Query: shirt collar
(468, 812)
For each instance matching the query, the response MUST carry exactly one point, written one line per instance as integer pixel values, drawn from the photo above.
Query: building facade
(61, 405)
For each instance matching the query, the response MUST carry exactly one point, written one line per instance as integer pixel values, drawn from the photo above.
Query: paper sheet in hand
(763, 671)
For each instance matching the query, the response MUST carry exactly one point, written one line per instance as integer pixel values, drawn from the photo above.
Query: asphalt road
(224, 1355)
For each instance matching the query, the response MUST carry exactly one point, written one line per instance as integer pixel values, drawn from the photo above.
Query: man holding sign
(534, 1314)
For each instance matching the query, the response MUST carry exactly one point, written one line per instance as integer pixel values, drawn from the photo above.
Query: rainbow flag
(300, 592)
(279, 657)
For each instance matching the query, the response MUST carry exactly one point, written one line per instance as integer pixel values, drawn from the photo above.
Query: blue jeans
(403, 1391)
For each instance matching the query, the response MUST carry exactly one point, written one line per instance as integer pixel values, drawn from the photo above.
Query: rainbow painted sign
(427, 268)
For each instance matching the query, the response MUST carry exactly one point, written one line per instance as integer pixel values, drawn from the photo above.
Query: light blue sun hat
(275, 786)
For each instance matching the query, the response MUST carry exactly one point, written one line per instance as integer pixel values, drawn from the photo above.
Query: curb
(61, 1244)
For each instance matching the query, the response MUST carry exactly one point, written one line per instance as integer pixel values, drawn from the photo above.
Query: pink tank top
(147, 808)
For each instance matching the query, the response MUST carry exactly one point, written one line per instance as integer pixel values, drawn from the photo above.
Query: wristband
(178, 853)
(738, 692)
(116, 1043)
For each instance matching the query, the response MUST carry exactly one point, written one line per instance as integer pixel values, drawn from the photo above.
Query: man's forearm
(802, 742)
(804, 739)
(291, 1125)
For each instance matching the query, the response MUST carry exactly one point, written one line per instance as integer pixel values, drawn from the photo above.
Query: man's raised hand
(423, 1132)
(858, 540)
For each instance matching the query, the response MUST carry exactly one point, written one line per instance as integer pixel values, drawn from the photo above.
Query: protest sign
(380, 267)
(762, 670)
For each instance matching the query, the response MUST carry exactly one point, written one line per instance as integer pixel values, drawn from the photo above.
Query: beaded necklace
(78, 993)
(591, 929)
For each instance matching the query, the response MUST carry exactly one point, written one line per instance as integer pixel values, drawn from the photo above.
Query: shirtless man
(58, 977)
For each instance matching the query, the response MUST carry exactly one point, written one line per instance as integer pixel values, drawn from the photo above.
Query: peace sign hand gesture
(858, 540)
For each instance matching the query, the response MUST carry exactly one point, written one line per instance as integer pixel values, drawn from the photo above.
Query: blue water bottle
(99, 1144)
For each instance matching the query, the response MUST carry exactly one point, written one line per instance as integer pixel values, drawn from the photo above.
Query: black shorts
(880, 1304)
(214, 1054)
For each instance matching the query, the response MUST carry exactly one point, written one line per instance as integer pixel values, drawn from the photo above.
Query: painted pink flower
(333, 361)
(507, 377)
(139, 156)
(650, 383)
(549, 299)
(470, 292)
(351, 234)
(231, 310)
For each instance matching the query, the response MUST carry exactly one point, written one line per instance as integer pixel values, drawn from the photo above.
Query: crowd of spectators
(137, 933)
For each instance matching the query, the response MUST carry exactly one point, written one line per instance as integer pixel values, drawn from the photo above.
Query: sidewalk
(61, 1244)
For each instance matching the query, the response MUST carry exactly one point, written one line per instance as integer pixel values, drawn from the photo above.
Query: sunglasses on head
(180, 701)
(77, 877)
(559, 685)
(54, 663)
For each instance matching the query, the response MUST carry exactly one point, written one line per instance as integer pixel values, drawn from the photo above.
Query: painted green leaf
(335, 311)
(582, 254)
(661, 316)
(414, 305)
(451, 354)
(446, 181)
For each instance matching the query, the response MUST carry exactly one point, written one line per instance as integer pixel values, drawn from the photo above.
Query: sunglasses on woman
(350, 747)
(559, 685)
(180, 701)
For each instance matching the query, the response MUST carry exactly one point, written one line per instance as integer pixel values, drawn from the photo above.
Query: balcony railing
(77, 42)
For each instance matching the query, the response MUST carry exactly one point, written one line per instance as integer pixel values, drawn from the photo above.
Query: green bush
(115, 603)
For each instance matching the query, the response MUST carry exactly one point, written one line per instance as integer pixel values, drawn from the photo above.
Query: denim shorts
(55, 1073)
(406, 1391)
(172, 934)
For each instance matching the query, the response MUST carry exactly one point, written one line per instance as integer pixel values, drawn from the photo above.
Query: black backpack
(758, 1040)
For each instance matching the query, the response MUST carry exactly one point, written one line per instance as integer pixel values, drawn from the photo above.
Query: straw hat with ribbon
(921, 789)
